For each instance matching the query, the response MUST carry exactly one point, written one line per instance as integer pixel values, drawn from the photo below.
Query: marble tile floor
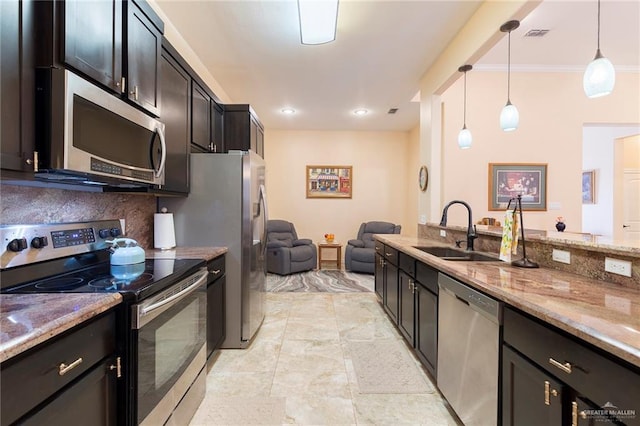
(299, 369)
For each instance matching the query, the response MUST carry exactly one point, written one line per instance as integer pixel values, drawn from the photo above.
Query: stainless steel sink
(448, 253)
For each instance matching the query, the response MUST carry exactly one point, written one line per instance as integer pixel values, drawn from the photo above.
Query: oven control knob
(115, 232)
(17, 244)
(39, 242)
(104, 233)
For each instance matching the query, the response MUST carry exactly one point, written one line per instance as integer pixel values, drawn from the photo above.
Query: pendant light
(509, 117)
(600, 76)
(464, 137)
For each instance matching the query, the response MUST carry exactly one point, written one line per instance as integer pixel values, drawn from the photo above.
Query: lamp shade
(509, 117)
(318, 20)
(464, 138)
(599, 77)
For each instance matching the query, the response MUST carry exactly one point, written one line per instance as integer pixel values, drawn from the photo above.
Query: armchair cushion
(356, 243)
(286, 253)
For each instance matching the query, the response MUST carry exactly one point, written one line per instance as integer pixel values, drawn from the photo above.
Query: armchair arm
(276, 244)
(302, 242)
(356, 243)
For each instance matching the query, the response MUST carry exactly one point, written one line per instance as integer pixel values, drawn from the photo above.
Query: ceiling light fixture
(288, 111)
(509, 117)
(464, 137)
(600, 76)
(361, 111)
(318, 20)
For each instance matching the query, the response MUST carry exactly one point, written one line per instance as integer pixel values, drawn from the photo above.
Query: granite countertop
(206, 253)
(601, 313)
(27, 320)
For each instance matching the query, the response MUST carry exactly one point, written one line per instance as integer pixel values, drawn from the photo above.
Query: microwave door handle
(163, 158)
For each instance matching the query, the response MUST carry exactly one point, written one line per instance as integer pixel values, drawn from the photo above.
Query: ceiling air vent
(536, 33)
(392, 110)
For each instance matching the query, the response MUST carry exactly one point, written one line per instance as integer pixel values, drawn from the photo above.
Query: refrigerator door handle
(263, 201)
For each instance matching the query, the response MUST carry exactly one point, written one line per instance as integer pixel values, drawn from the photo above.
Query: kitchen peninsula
(562, 333)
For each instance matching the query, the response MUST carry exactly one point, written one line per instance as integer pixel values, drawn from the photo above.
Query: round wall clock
(423, 178)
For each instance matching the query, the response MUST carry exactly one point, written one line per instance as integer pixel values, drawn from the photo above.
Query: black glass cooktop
(138, 280)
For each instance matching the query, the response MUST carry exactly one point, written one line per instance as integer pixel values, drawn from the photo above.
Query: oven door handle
(147, 313)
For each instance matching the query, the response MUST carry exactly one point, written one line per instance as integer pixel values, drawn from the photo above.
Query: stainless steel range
(161, 323)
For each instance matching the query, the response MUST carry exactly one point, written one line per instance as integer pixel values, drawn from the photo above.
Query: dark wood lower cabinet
(379, 276)
(406, 299)
(89, 401)
(216, 304)
(530, 396)
(426, 334)
(391, 290)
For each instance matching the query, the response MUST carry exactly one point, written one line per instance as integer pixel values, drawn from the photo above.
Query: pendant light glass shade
(600, 76)
(464, 137)
(509, 117)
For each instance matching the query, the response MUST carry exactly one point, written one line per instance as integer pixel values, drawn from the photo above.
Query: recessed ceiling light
(360, 111)
(288, 111)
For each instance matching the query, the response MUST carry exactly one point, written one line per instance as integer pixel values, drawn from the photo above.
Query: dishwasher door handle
(466, 302)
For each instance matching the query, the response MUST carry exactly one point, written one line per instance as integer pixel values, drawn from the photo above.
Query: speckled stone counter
(206, 253)
(27, 320)
(602, 313)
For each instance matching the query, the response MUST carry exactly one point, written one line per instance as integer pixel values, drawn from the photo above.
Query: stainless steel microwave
(85, 135)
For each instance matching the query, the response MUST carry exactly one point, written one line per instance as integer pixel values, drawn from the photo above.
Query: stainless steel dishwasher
(468, 351)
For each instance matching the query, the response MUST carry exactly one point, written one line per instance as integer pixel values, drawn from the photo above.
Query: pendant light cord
(509, 70)
(464, 114)
(598, 25)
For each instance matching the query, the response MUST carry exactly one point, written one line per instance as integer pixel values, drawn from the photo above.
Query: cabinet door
(260, 142)
(176, 116)
(201, 117)
(16, 85)
(391, 291)
(93, 40)
(215, 314)
(144, 43)
(216, 127)
(379, 276)
(92, 400)
(529, 395)
(253, 135)
(426, 334)
(406, 312)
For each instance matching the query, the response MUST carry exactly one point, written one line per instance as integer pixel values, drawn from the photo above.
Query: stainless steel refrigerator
(227, 207)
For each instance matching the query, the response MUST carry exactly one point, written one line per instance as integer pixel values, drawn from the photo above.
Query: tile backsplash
(24, 204)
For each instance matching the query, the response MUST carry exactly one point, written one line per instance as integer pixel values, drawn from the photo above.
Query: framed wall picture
(329, 181)
(588, 187)
(507, 181)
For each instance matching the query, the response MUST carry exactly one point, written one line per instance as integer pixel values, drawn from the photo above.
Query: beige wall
(553, 109)
(384, 180)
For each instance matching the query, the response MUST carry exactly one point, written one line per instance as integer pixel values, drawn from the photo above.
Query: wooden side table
(333, 245)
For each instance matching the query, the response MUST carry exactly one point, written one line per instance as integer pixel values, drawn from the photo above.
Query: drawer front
(37, 375)
(379, 248)
(427, 276)
(407, 264)
(216, 268)
(600, 377)
(391, 255)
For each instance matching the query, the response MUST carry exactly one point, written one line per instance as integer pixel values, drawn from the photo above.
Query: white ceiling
(382, 48)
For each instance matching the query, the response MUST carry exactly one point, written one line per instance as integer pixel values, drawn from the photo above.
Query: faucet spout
(471, 228)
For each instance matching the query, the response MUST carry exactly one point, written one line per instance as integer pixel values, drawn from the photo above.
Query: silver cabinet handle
(388, 254)
(566, 367)
(64, 368)
(215, 271)
(134, 93)
(117, 367)
(574, 413)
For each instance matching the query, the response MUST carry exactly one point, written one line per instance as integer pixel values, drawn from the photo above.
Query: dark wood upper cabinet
(242, 129)
(201, 118)
(92, 40)
(175, 88)
(115, 43)
(17, 85)
(217, 136)
(144, 43)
